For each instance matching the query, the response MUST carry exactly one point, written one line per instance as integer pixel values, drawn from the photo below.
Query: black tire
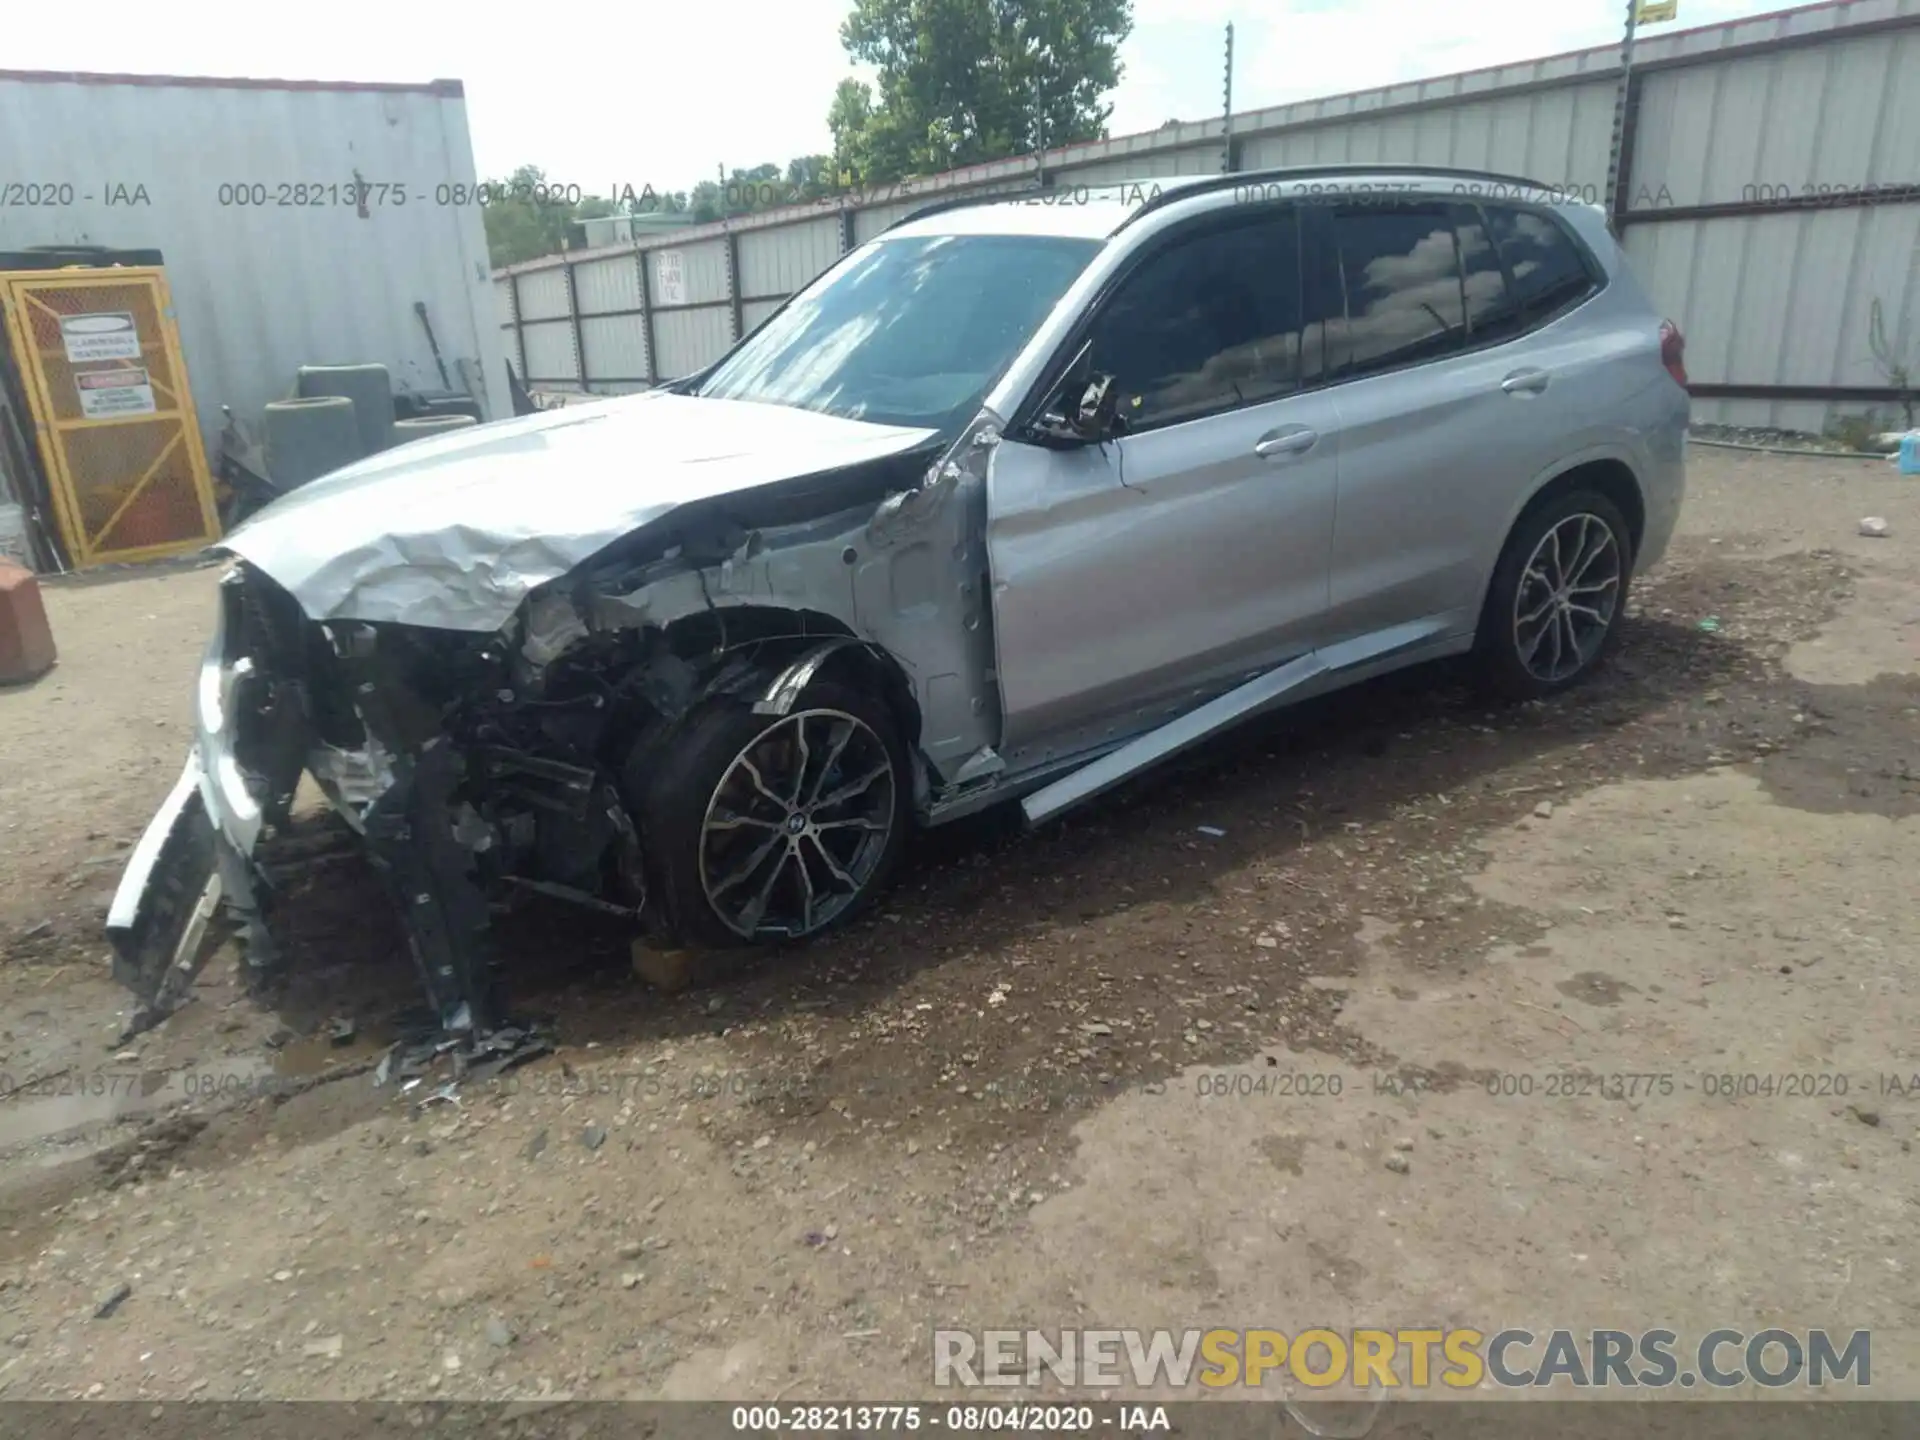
(674, 784)
(1504, 664)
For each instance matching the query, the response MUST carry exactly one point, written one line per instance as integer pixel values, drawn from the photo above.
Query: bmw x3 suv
(1020, 497)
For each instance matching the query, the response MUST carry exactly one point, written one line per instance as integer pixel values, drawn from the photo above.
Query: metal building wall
(304, 278)
(1774, 296)
(1741, 203)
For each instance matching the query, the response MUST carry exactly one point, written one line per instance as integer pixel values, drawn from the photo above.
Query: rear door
(1131, 578)
(1455, 393)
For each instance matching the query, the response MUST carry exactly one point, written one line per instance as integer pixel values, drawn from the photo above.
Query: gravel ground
(1122, 1071)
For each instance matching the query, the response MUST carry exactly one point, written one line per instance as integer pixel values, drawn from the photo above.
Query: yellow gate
(100, 358)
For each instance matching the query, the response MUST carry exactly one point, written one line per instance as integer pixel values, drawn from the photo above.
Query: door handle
(1279, 444)
(1525, 382)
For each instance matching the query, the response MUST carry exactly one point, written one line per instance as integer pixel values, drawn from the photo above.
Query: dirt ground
(1125, 1071)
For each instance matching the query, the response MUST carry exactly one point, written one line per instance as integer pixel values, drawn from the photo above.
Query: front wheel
(777, 828)
(1557, 596)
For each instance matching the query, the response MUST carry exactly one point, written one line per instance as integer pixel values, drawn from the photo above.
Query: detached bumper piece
(165, 897)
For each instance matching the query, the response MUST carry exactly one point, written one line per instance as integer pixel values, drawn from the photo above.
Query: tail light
(1673, 352)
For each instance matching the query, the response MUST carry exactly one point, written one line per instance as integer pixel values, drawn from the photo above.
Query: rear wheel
(1557, 596)
(777, 828)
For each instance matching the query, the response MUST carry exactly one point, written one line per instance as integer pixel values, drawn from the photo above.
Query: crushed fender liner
(411, 835)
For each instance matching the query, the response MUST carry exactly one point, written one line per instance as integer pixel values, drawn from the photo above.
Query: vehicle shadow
(983, 887)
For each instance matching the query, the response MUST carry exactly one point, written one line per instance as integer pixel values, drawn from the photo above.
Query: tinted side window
(1493, 313)
(1549, 274)
(1402, 278)
(1207, 324)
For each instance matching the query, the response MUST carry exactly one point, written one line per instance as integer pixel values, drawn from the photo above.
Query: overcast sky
(639, 92)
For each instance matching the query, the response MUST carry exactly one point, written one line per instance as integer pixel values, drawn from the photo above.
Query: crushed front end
(465, 774)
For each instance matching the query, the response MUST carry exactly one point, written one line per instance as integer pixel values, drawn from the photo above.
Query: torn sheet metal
(455, 532)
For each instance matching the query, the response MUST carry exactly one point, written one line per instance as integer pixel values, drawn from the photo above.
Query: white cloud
(602, 92)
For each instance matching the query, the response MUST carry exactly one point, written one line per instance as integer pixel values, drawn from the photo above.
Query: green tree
(967, 81)
(523, 219)
(526, 218)
(810, 176)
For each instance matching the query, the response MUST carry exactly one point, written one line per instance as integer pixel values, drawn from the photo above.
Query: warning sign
(108, 393)
(110, 335)
(670, 279)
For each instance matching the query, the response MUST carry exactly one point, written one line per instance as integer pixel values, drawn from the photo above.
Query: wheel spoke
(1591, 559)
(756, 909)
(806, 883)
(800, 769)
(833, 866)
(833, 758)
(1538, 611)
(1573, 650)
(759, 783)
(853, 787)
(1531, 648)
(1580, 555)
(754, 862)
(1597, 587)
(1587, 610)
(735, 821)
(858, 822)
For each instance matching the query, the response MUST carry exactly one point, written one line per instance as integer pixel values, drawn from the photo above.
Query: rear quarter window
(1550, 272)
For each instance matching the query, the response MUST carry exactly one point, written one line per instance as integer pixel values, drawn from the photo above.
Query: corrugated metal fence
(1769, 196)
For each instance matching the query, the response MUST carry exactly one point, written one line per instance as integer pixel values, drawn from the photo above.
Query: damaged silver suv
(1020, 497)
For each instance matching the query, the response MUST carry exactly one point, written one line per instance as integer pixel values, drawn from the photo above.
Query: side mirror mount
(1097, 415)
(1084, 408)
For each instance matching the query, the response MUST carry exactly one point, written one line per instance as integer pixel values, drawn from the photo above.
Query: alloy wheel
(798, 825)
(1567, 597)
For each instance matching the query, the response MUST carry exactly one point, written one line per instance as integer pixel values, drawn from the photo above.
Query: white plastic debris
(1876, 527)
(1214, 830)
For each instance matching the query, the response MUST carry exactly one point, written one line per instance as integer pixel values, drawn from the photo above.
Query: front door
(1132, 579)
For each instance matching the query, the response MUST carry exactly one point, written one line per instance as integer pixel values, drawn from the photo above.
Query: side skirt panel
(1330, 669)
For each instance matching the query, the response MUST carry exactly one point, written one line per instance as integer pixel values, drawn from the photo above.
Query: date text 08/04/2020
(858, 1419)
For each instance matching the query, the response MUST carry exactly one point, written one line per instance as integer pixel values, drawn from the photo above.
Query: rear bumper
(1664, 479)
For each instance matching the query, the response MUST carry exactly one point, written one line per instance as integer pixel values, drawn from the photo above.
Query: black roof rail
(1187, 188)
(1233, 180)
(960, 202)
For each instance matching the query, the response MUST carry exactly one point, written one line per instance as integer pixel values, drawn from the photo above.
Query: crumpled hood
(453, 532)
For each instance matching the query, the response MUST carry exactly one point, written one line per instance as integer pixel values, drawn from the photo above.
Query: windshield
(908, 332)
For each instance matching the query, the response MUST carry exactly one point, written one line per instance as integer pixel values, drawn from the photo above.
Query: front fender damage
(482, 768)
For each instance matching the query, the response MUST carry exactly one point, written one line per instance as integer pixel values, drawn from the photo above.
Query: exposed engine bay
(478, 767)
